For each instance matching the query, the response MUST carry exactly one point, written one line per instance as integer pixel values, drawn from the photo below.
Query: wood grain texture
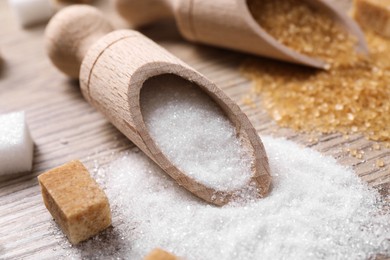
(145, 11)
(65, 127)
(70, 33)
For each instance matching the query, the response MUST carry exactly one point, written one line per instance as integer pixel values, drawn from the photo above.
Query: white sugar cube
(16, 144)
(31, 12)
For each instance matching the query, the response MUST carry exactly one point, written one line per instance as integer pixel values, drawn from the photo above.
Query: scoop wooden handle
(70, 34)
(111, 77)
(140, 13)
(229, 24)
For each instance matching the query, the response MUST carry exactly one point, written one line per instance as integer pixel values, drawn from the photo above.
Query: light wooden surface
(64, 127)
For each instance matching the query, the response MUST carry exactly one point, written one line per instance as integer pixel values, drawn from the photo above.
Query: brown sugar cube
(75, 201)
(159, 254)
(374, 14)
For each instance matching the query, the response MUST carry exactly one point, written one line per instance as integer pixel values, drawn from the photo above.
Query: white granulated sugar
(316, 210)
(194, 134)
(16, 145)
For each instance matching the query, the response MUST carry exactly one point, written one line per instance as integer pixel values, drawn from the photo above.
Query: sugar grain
(348, 99)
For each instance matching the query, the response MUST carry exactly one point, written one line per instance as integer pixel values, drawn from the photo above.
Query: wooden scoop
(230, 24)
(114, 70)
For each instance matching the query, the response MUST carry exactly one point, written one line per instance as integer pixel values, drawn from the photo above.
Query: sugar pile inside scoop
(194, 133)
(316, 210)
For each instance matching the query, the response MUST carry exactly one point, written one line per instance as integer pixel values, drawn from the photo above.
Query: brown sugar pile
(304, 29)
(354, 98)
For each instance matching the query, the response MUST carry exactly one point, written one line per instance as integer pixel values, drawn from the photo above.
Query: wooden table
(65, 127)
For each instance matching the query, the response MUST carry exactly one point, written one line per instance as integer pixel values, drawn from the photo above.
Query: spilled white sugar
(316, 210)
(194, 134)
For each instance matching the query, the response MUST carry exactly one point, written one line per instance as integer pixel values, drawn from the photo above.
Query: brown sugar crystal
(373, 15)
(352, 96)
(159, 254)
(76, 202)
(348, 98)
(305, 29)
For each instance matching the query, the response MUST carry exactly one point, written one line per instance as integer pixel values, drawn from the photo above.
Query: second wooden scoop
(230, 24)
(114, 70)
